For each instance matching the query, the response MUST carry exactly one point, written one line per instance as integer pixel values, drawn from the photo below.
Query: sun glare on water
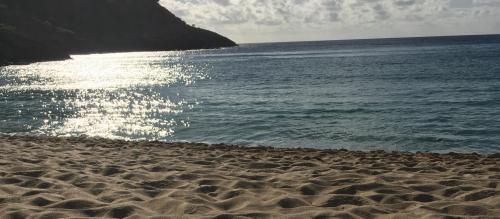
(119, 95)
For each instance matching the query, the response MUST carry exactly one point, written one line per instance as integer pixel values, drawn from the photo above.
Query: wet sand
(84, 177)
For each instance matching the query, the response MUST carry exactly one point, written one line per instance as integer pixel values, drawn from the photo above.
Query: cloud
(404, 3)
(283, 20)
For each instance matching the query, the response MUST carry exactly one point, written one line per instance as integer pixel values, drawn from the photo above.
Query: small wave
(477, 132)
(341, 111)
(465, 102)
(373, 138)
(440, 119)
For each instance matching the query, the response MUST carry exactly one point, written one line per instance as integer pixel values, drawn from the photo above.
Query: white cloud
(286, 20)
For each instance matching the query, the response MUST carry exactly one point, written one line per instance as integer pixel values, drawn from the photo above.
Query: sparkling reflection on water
(103, 95)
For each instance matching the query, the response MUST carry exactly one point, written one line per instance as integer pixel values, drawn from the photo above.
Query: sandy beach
(84, 177)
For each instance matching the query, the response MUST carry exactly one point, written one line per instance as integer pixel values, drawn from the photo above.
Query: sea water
(417, 94)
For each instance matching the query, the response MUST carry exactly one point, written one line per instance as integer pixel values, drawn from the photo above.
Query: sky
(248, 21)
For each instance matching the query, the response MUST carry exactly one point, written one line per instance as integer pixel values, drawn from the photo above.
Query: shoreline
(55, 177)
(238, 146)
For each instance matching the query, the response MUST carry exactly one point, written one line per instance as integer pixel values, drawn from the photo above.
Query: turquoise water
(432, 94)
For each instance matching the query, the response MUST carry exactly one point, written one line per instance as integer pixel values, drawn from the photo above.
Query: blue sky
(296, 20)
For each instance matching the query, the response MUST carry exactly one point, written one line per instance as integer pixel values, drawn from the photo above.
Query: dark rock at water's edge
(40, 30)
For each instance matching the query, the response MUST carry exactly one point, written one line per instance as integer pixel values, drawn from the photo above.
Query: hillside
(37, 30)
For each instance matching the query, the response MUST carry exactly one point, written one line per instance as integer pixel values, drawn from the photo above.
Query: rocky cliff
(36, 30)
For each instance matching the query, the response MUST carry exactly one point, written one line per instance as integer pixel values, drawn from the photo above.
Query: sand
(84, 177)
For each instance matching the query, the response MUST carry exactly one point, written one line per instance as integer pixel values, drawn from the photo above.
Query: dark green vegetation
(38, 30)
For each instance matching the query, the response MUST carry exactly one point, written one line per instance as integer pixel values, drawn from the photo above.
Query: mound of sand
(76, 177)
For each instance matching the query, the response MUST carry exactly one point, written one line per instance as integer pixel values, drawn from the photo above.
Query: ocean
(438, 94)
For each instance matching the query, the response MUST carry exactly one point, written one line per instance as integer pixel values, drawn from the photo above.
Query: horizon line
(374, 38)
